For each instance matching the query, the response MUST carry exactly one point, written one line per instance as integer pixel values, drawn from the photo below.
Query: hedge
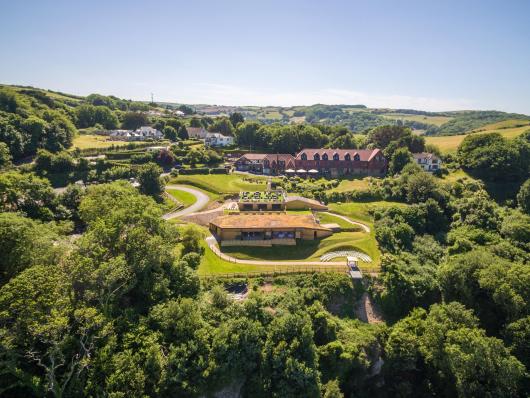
(198, 170)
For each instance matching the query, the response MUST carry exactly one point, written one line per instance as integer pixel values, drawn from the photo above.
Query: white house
(218, 139)
(197, 132)
(148, 132)
(428, 161)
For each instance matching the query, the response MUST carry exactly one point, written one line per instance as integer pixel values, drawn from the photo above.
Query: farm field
(436, 120)
(450, 143)
(223, 183)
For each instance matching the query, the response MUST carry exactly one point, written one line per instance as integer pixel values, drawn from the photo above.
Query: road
(201, 202)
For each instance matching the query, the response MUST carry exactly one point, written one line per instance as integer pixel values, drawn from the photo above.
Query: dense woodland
(99, 296)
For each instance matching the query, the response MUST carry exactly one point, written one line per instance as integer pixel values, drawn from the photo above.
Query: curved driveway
(202, 201)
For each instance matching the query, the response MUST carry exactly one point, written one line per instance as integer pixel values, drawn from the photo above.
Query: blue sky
(434, 55)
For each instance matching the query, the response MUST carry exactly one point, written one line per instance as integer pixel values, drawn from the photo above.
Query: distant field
(505, 124)
(450, 143)
(436, 120)
(84, 141)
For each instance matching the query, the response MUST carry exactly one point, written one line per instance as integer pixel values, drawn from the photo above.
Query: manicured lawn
(84, 141)
(223, 183)
(186, 198)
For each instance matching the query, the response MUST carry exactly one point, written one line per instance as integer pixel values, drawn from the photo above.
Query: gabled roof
(424, 155)
(365, 155)
(254, 156)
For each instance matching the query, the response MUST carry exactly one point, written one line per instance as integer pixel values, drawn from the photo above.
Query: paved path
(363, 226)
(200, 203)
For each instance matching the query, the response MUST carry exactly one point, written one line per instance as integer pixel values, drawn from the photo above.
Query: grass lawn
(361, 210)
(352, 184)
(309, 250)
(329, 219)
(84, 141)
(186, 198)
(223, 183)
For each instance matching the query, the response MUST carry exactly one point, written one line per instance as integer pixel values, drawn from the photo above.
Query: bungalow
(427, 161)
(218, 139)
(196, 133)
(146, 132)
(266, 229)
(337, 162)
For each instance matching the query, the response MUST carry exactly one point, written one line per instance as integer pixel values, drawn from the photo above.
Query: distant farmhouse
(218, 140)
(326, 162)
(428, 161)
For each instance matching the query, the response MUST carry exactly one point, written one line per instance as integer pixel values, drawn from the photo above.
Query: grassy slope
(186, 198)
(223, 183)
(351, 184)
(310, 250)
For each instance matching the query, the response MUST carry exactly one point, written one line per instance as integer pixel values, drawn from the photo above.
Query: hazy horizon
(417, 55)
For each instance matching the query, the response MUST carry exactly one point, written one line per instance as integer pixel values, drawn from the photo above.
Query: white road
(202, 201)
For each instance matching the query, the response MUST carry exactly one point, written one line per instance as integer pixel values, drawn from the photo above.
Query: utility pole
(152, 100)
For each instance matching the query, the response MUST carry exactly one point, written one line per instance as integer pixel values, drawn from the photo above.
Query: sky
(429, 55)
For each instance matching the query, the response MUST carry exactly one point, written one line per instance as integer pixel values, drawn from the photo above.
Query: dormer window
(347, 157)
(325, 156)
(303, 156)
(316, 156)
(336, 156)
(356, 157)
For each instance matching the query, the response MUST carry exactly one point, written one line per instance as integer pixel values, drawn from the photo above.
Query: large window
(303, 156)
(316, 156)
(336, 156)
(347, 157)
(356, 157)
(325, 156)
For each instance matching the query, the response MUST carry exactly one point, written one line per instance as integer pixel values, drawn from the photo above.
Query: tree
(222, 125)
(134, 120)
(149, 179)
(523, 197)
(170, 133)
(27, 193)
(24, 243)
(195, 122)
(191, 238)
(289, 358)
(5, 156)
(400, 158)
(236, 118)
